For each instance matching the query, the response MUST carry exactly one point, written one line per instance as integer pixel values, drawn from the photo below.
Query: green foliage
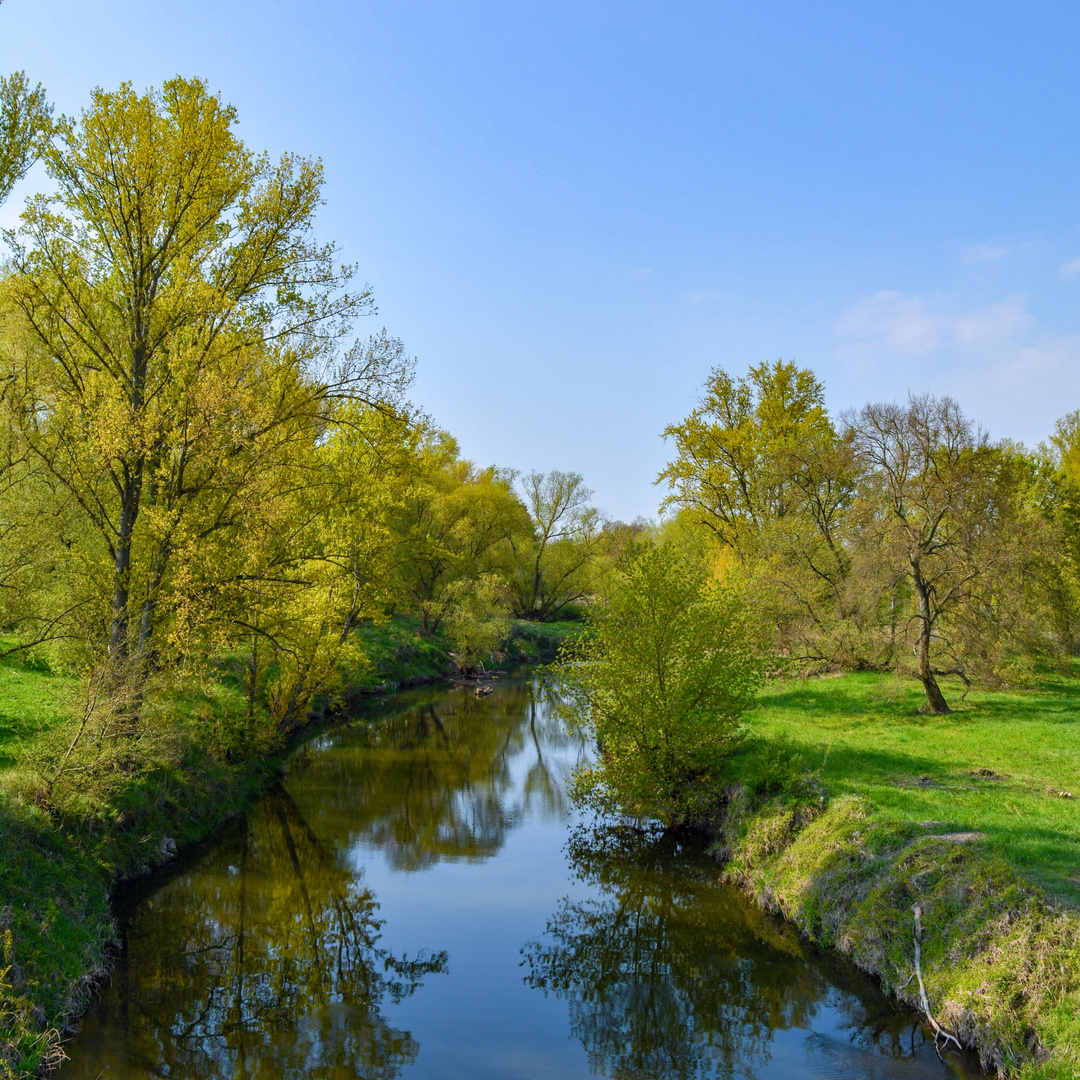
(25, 126)
(757, 450)
(661, 682)
(553, 563)
(71, 826)
(397, 653)
(476, 626)
(905, 540)
(455, 527)
(535, 642)
(55, 924)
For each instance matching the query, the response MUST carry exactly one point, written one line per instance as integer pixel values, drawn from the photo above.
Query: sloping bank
(56, 877)
(56, 923)
(1000, 960)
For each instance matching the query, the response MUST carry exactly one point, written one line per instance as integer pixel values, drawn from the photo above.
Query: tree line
(200, 457)
(895, 536)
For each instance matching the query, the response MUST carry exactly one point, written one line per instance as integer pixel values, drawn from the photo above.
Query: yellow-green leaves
(661, 682)
(25, 125)
(184, 330)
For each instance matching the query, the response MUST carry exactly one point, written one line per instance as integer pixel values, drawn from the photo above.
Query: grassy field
(32, 700)
(998, 765)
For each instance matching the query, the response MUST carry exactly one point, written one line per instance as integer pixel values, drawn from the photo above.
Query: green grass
(62, 851)
(32, 700)
(536, 642)
(1001, 962)
(398, 654)
(863, 735)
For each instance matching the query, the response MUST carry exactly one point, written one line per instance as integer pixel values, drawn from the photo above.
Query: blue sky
(571, 212)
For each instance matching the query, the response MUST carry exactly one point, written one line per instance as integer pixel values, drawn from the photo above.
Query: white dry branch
(939, 1031)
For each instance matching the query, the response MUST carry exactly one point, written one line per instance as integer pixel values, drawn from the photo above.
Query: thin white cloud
(1071, 269)
(1021, 393)
(1006, 371)
(890, 322)
(705, 296)
(983, 252)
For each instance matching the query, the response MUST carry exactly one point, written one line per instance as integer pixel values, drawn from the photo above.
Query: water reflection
(446, 778)
(263, 960)
(666, 975)
(266, 955)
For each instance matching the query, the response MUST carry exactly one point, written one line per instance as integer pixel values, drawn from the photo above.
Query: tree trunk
(253, 680)
(934, 696)
(146, 621)
(118, 629)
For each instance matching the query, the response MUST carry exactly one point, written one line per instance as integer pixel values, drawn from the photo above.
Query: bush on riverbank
(399, 653)
(661, 683)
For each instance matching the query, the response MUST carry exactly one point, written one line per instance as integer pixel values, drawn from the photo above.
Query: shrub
(661, 682)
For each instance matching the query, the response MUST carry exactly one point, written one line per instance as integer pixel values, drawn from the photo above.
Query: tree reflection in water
(667, 975)
(263, 961)
(434, 781)
(263, 958)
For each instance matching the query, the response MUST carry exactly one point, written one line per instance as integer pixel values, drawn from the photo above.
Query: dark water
(417, 900)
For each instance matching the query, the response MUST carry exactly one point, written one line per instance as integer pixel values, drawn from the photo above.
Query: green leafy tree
(455, 525)
(184, 333)
(759, 464)
(554, 562)
(477, 625)
(954, 525)
(25, 126)
(661, 681)
(1064, 505)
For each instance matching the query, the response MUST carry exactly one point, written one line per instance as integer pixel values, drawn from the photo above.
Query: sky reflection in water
(417, 900)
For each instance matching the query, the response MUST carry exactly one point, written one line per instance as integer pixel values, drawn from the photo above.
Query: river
(417, 898)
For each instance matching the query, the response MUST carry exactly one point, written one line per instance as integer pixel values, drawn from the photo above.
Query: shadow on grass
(858, 697)
(845, 763)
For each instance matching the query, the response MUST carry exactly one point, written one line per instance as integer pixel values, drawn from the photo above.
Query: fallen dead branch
(939, 1031)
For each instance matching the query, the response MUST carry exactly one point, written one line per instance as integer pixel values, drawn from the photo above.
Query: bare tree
(927, 505)
(552, 570)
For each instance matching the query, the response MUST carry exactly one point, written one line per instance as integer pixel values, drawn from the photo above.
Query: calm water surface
(417, 899)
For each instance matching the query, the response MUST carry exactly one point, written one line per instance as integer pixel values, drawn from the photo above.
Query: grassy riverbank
(399, 654)
(59, 863)
(61, 855)
(865, 808)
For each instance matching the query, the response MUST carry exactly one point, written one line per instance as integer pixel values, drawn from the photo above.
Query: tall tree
(25, 126)
(760, 465)
(184, 322)
(454, 523)
(552, 565)
(929, 512)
